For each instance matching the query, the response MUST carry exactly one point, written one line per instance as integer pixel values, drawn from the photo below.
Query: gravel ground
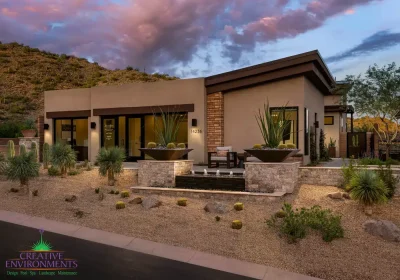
(357, 256)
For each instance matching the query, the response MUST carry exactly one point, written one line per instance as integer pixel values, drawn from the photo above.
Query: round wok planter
(272, 155)
(166, 154)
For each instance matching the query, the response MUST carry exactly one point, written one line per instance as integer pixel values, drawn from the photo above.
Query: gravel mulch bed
(357, 256)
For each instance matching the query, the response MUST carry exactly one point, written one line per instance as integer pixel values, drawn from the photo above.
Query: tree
(323, 150)
(377, 95)
(110, 162)
(63, 157)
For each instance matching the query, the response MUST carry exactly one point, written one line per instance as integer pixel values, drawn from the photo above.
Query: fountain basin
(224, 181)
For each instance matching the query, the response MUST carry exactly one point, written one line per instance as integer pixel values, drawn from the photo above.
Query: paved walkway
(105, 255)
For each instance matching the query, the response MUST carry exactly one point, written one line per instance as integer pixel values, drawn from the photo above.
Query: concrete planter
(166, 154)
(277, 155)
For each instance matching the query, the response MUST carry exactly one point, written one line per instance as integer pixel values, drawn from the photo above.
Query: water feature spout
(193, 172)
(244, 172)
(205, 172)
(217, 174)
(231, 173)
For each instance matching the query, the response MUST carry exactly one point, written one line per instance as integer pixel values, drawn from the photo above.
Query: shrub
(110, 162)
(282, 146)
(280, 214)
(171, 146)
(73, 172)
(112, 192)
(181, 146)
(22, 149)
(257, 147)
(370, 161)
(22, 168)
(10, 129)
(120, 205)
(53, 171)
(182, 202)
(348, 172)
(97, 190)
(63, 158)
(10, 149)
(367, 188)
(34, 150)
(151, 145)
(46, 155)
(238, 206)
(237, 224)
(390, 181)
(129, 68)
(166, 130)
(291, 146)
(125, 194)
(323, 150)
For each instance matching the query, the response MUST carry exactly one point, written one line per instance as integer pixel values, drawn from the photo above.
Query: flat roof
(309, 64)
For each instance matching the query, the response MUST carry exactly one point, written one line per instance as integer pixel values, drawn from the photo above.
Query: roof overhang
(349, 109)
(310, 65)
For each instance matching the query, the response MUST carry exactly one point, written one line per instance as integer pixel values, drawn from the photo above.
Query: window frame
(271, 109)
(330, 117)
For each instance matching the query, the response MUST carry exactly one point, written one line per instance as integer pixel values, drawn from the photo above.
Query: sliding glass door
(74, 132)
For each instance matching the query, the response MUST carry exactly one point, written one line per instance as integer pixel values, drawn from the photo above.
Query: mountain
(25, 73)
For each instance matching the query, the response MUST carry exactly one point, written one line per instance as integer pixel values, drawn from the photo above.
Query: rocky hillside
(25, 73)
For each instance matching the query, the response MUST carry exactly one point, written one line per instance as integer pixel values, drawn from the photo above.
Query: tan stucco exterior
(333, 131)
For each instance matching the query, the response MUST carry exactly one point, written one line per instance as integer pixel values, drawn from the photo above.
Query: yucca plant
(367, 188)
(272, 125)
(110, 162)
(166, 131)
(63, 157)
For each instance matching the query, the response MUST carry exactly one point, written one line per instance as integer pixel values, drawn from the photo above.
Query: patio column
(215, 121)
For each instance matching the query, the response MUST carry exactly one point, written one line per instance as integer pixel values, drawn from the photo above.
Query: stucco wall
(240, 127)
(332, 100)
(335, 129)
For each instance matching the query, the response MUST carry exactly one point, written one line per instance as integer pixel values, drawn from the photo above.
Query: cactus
(116, 192)
(46, 155)
(151, 145)
(237, 224)
(280, 214)
(22, 149)
(35, 151)
(291, 146)
(257, 147)
(282, 146)
(125, 194)
(97, 190)
(181, 146)
(171, 146)
(355, 140)
(10, 149)
(182, 202)
(238, 206)
(120, 205)
(112, 192)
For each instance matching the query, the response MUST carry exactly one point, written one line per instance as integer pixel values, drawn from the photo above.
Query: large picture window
(291, 133)
(74, 132)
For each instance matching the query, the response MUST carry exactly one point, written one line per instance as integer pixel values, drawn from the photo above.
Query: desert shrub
(370, 161)
(291, 146)
(238, 206)
(237, 224)
(120, 205)
(73, 172)
(151, 145)
(53, 171)
(22, 168)
(348, 172)
(181, 146)
(125, 194)
(129, 68)
(391, 161)
(46, 155)
(110, 162)
(282, 146)
(171, 146)
(390, 181)
(182, 202)
(294, 223)
(97, 190)
(63, 157)
(10, 129)
(257, 147)
(367, 188)
(323, 150)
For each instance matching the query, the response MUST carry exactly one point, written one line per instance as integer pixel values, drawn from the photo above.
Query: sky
(199, 38)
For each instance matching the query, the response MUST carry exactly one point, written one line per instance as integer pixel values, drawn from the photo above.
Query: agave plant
(167, 131)
(110, 162)
(63, 157)
(272, 126)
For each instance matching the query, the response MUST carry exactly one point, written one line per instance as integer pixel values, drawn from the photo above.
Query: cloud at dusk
(161, 34)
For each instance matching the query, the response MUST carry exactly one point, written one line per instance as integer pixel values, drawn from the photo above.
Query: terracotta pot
(166, 154)
(332, 152)
(277, 155)
(28, 132)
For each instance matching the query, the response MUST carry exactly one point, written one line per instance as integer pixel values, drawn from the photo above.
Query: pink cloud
(350, 11)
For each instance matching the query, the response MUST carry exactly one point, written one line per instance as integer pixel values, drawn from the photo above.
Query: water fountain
(205, 172)
(193, 172)
(217, 173)
(244, 173)
(231, 173)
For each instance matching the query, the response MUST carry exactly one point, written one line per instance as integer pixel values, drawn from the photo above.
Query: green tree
(377, 95)
(63, 158)
(110, 162)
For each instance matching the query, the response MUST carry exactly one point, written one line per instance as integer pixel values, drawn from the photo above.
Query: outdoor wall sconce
(92, 125)
(46, 126)
(194, 122)
(316, 124)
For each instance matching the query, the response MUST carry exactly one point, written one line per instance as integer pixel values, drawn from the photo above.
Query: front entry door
(135, 136)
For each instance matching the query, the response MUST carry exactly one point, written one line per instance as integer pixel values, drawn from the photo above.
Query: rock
(70, 198)
(14, 190)
(150, 202)
(383, 228)
(335, 195)
(78, 214)
(346, 195)
(216, 207)
(101, 196)
(35, 193)
(136, 200)
(368, 212)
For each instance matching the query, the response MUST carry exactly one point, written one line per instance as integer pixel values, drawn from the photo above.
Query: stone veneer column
(215, 121)
(158, 173)
(271, 176)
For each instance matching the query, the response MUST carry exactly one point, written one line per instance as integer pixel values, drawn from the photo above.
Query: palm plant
(272, 125)
(63, 157)
(110, 162)
(367, 188)
(22, 168)
(167, 131)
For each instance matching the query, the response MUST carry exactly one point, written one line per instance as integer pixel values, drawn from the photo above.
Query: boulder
(136, 200)
(383, 228)
(150, 202)
(346, 195)
(335, 195)
(70, 198)
(216, 207)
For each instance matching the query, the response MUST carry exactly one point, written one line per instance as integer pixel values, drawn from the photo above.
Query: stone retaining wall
(158, 173)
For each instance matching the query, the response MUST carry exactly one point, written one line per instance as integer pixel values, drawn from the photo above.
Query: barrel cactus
(182, 202)
(125, 194)
(120, 205)
(181, 146)
(238, 206)
(280, 214)
(171, 146)
(237, 224)
(22, 149)
(257, 147)
(46, 155)
(151, 145)
(282, 146)
(35, 151)
(291, 146)
(10, 149)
